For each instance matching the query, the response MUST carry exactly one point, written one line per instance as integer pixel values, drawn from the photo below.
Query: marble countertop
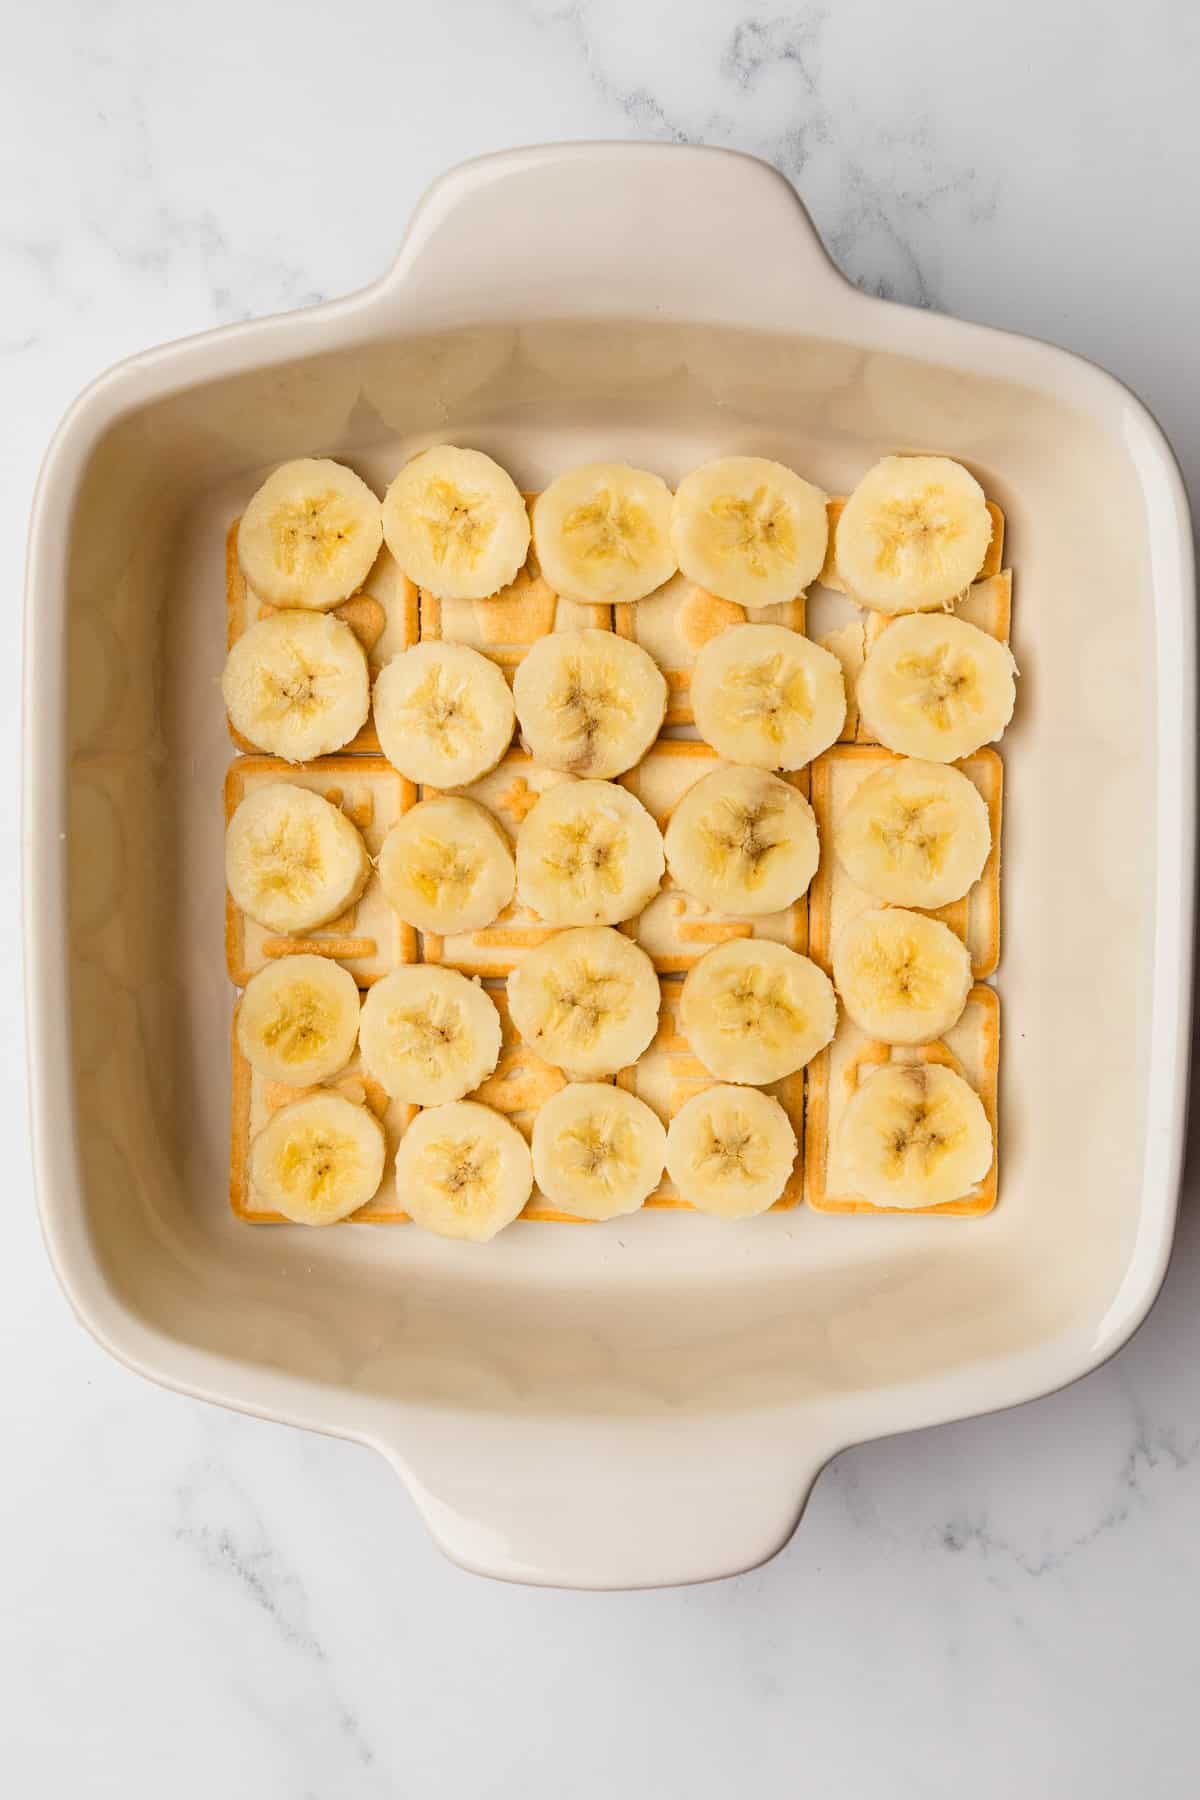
(199, 1603)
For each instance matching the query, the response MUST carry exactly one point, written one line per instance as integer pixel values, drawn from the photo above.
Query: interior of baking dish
(810, 1330)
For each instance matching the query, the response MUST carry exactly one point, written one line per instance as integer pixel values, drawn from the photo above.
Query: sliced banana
(749, 530)
(429, 1035)
(903, 977)
(914, 1134)
(297, 1021)
(587, 1001)
(318, 1159)
(767, 696)
(743, 842)
(913, 534)
(754, 1011)
(456, 523)
(730, 1151)
(589, 702)
(914, 834)
(588, 853)
(309, 535)
(603, 533)
(296, 684)
(598, 1152)
(446, 866)
(292, 860)
(444, 713)
(937, 688)
(463, 1171)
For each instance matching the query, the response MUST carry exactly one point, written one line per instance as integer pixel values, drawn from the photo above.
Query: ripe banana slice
(309, 535)
(937, 688)
(903, 977)
(588, 853)
(586, 1000)
(589, 702)
(598, 1152)
(318, 1159)
(293, 860)
(297, 1021)
(743, 841)
(755, 1011)
(914, 834)
(446, 866)
(444, 713)
(766, 695)
(913, 534)
(429, 1035)
(749, 530)
(730, 1151)
(463, 1171)
(914, 1134)
(456, 523)
(296, 684)
(603, 533)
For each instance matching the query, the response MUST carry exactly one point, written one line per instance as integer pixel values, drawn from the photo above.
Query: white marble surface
(196, 1603)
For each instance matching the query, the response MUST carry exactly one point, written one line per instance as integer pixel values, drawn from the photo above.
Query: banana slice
(914, 1134)
(297, 1021)
(318, 1159)
(730, 1151)
(446, 866)
(589, 702)
(914, 834)
(456, 523)
(296, 684)
(598, 1152)
(463, 1171)
(429, 1035)
(309, 535)
(913, 534)
(903, 977)
(292, 860)
(743, 841)
(586, 1000)
(603, 533)
(588, 853)
(937, 688)
(765, 695)
(444, 714)
(755, 1011)
(749, 530)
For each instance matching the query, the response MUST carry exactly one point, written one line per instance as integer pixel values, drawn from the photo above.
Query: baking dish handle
(660, 231)
(601, 1503)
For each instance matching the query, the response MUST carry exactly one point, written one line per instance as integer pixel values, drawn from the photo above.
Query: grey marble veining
(203, 1603)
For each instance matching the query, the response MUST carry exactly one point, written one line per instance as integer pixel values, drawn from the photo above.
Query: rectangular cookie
(368, 938)
(988, 604)
(255, 1099)
(508, 792)
(971, 1049)
(674, 623)
(668, 1074)
(833, 898)
(675, 930)
(505, 626)
(382, 616)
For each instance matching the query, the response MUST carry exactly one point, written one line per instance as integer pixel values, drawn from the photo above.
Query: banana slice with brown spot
(589, 702)
(915, 1135)
(743, 842)
(309, 535)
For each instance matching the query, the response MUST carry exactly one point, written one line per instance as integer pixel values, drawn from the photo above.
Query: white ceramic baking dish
(650, 1401)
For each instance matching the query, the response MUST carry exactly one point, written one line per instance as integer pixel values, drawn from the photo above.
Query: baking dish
(647, 1402)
